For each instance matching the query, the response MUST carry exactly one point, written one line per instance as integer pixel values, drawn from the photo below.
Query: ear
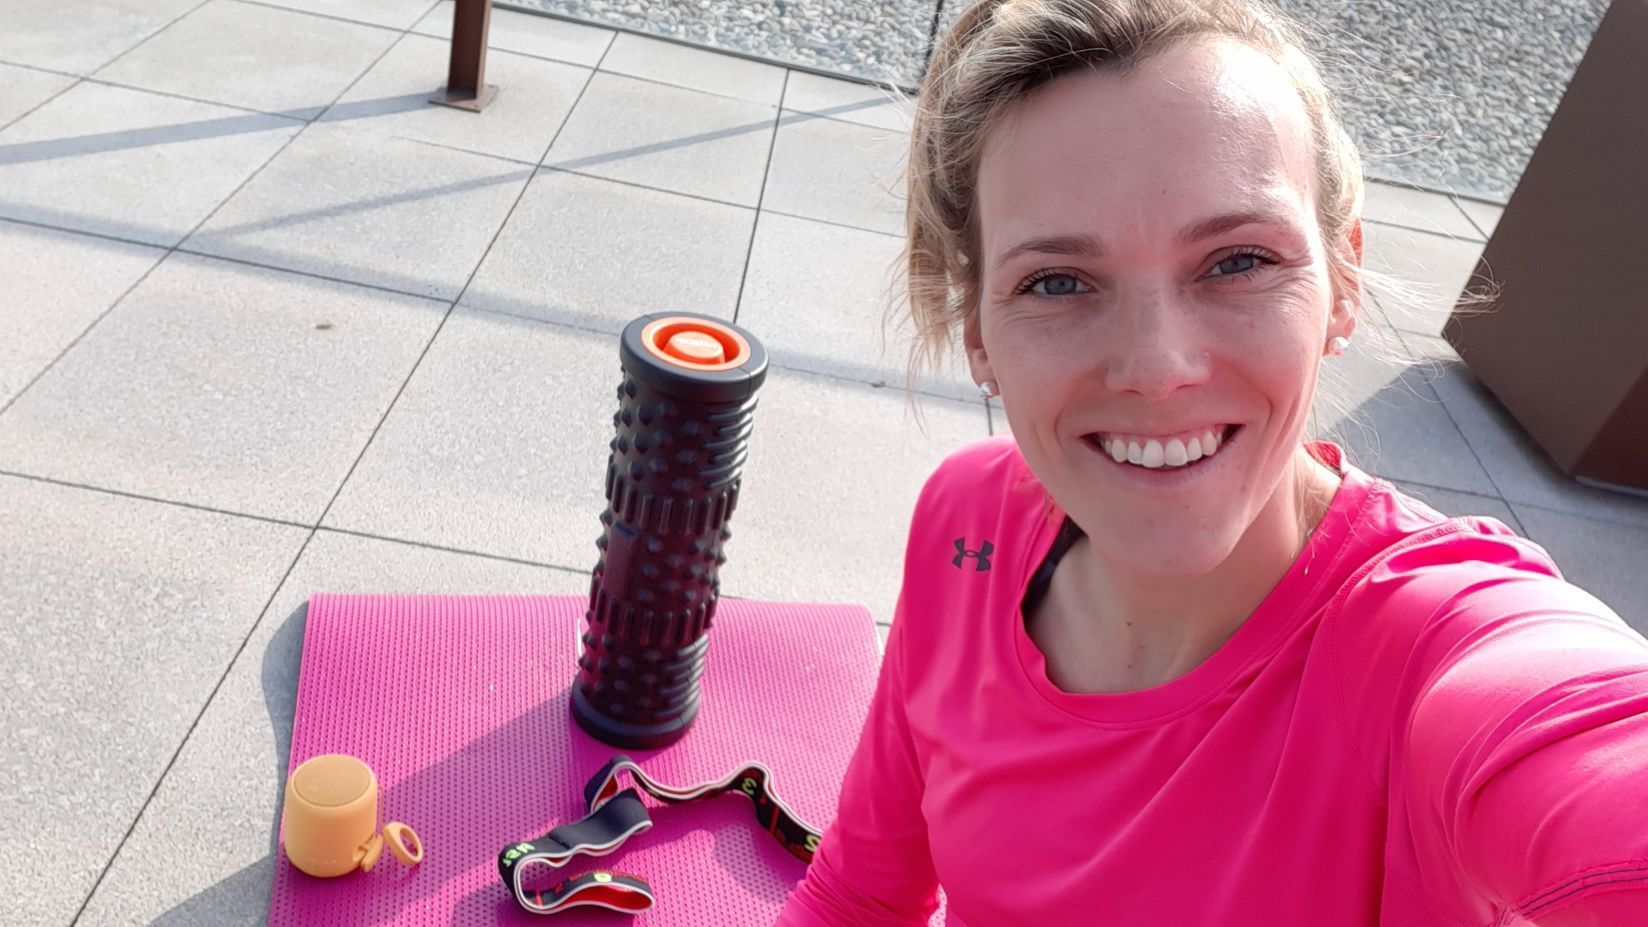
(972, 338)
(1348, 303)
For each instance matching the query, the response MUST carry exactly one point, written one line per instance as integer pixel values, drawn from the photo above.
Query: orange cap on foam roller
(695, 348)
(696, 343)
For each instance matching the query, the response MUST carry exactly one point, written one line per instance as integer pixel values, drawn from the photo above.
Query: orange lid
(332, 780)
(695, 347)
(697, 344)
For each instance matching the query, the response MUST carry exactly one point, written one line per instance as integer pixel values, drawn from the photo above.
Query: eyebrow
(1218, 225)
(1087, 246)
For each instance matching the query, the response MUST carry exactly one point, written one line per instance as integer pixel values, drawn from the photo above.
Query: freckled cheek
(1281, 340)
(1035, 373)
(1284, 371)
(1038, 357)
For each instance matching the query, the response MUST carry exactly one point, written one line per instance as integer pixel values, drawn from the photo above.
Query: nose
(1154, 350)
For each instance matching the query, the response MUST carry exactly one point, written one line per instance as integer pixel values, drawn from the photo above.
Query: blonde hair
(1000, 50)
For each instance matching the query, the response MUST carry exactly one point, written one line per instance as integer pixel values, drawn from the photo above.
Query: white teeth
(1174, 454)
(1153, 456)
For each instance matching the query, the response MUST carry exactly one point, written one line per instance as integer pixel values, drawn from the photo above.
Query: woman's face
(1155, 289)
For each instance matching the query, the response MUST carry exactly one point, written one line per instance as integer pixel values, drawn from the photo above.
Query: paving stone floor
(278, 329)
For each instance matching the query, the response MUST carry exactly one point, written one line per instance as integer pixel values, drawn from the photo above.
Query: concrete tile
(695, 69)
(1603, 558)
(539, 36)
(816, 295)
(593, 253)
(834, 472)
(668, 138)
(1417, 209)
(302, 62)
(130, 164)
(121, 616)
(393, 98)
(1521, 470)
(830, 170)
(22, 89)
(81, 36)
(53, 285)
(1484, 215)
(1374, 314)
(1448, 502)
(1436, 267)
(396, 14)
(203, 853)
(1395, 427)
(211, 384)
(369, 209)
(848, 101)
(498, 445)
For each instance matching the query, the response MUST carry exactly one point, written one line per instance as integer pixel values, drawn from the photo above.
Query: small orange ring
(404, 843)
(658, 333)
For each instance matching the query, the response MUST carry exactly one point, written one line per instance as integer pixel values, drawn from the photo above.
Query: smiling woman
(1211, 672)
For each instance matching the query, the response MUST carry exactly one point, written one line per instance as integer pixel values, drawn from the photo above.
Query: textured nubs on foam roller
(672, 486)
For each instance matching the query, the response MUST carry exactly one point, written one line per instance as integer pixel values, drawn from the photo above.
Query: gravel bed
(1451, 94)
(1444, 94)
(878, 40)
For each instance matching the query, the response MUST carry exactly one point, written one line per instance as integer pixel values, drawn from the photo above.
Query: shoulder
(1423, 566)
(995, 456)
(982, 474)
(1472, 600)
(1426, 592)
(974, 533)
(982, 498)
(1401, 551)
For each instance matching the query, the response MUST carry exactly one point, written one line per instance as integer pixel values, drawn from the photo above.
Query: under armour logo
(981, 557)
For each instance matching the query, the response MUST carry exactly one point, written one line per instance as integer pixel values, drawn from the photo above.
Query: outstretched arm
(1527, 760)
(873, 868)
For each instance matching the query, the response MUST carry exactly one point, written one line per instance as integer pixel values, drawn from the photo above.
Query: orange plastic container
(330, 822)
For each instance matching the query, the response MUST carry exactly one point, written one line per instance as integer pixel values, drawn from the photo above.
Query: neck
(1134, 631)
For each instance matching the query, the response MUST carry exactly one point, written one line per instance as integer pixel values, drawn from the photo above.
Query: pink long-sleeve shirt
(1423, 724)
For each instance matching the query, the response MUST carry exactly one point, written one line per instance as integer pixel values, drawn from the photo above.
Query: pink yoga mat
(459, 704)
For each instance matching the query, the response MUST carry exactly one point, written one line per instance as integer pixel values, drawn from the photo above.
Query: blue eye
(1241, 262)
(1051, 283)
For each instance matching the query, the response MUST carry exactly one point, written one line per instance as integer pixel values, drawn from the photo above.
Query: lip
(1168, 478)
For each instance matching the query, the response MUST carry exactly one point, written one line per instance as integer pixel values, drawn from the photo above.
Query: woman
(1159, 659)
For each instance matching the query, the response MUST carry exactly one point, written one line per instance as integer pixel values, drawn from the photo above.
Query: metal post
(466, 86)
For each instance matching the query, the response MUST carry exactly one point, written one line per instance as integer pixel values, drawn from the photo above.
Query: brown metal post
(466, 86)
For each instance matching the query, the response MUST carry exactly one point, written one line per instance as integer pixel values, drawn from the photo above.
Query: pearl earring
(988, 389)
(1338, 345)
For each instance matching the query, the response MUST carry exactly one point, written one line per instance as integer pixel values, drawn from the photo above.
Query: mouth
(1182, 451)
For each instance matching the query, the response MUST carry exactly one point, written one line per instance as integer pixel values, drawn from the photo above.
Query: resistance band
(614, 817)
